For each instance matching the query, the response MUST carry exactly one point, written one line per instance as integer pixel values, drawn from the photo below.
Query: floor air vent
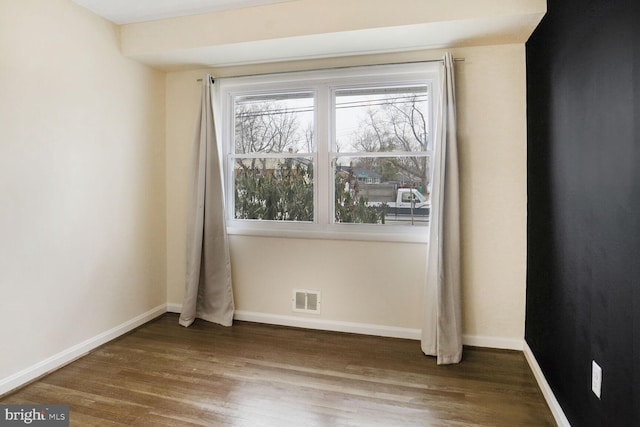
(306, 301)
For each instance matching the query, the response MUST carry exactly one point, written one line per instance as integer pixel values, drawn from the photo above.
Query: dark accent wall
(583, 266)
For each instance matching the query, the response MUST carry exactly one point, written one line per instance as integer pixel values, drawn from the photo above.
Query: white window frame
(323, 85)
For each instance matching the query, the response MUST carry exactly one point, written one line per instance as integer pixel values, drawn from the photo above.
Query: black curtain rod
(337, 68)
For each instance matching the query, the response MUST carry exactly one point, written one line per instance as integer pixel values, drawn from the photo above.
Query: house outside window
(339, 153)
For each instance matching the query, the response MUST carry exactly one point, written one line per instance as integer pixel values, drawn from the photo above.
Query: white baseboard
(329, 325)
(493, 342)
(64, 357)
(555, 407)
(319, 324)
(360, 328)
(174, 308)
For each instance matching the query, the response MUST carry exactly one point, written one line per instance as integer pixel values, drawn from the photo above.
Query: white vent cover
(306, 301)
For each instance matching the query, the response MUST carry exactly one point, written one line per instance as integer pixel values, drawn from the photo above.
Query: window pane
(279, 189)
(382, 190)
(382, 120)
(274, 123)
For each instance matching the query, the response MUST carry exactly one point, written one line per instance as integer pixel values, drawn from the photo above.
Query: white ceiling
(130, 11)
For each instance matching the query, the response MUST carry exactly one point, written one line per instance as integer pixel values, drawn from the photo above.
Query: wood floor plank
(263, 375)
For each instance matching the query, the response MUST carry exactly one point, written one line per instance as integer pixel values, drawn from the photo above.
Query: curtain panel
(442, 325)
(208, 289)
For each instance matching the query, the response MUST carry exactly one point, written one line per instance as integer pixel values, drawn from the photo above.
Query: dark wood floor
(260, 375)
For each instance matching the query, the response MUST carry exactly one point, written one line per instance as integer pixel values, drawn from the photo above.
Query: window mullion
(323, 181)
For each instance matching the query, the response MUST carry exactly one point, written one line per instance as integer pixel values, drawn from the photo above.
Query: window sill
(418, 234)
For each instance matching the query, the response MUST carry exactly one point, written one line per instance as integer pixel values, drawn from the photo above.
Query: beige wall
(493, 148)
(82, 210)
(381, 283)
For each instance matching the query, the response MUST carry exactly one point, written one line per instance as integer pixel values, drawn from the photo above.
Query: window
(332, 153)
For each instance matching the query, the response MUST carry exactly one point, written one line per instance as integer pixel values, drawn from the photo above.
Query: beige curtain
(208, 294)
(442, 326)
